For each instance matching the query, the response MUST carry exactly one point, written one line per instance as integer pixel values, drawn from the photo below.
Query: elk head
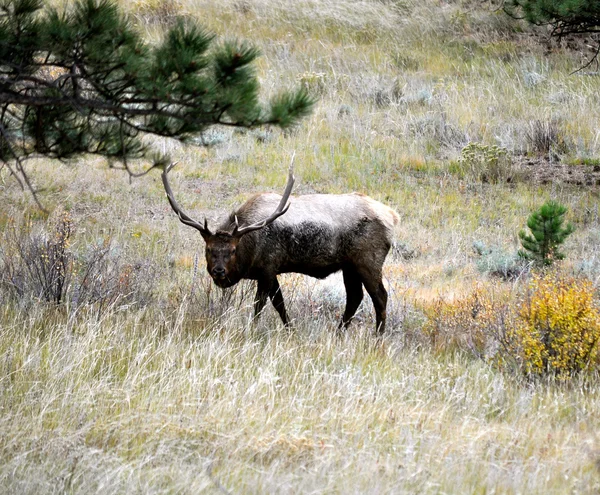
(221, 246)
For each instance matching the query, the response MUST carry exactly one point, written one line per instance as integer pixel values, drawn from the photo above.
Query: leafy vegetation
(551, 328)
(559, 327)
(472, 322)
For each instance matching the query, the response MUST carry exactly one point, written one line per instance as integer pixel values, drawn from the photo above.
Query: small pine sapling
(547, 234)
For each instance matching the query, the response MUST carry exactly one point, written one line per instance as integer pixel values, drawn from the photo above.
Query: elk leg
(277, 299)
(270, 288)
(262, 292)
(379, 296)
(354, 295)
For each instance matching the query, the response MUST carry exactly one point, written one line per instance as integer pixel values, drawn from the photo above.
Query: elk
(315, 235)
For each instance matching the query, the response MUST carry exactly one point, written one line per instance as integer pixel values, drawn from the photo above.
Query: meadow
(149, 379)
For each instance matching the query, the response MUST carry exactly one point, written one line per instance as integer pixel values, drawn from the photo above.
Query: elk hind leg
(277, 299)
(379, 296)
(354, 295)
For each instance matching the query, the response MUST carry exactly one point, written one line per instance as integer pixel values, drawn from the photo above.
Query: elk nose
(218, 272)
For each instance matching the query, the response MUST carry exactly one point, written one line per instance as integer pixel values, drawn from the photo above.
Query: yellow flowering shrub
(551, 327)
(558, 328)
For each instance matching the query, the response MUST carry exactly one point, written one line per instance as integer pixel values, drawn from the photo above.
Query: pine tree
(82, 80)
(547, 234)
(564, 16)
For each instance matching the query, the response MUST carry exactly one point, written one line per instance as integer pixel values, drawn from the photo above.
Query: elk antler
(280, 210)
(180, 213)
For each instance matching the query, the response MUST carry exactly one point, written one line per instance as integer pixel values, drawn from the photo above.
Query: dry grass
(184, 395)
(142, 402)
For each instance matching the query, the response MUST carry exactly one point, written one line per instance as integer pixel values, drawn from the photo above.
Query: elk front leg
(270, 288)
(262, 292)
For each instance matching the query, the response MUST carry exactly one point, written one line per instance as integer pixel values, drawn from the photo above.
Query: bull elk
(316, 235)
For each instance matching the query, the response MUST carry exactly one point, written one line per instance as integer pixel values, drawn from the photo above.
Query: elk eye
(232, 250)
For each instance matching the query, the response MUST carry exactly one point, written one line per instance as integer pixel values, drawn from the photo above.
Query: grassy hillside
(163, 385)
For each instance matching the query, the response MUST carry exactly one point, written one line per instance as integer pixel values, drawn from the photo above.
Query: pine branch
(83, 81)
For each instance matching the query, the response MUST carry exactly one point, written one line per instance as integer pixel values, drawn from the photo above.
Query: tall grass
(140, 401)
